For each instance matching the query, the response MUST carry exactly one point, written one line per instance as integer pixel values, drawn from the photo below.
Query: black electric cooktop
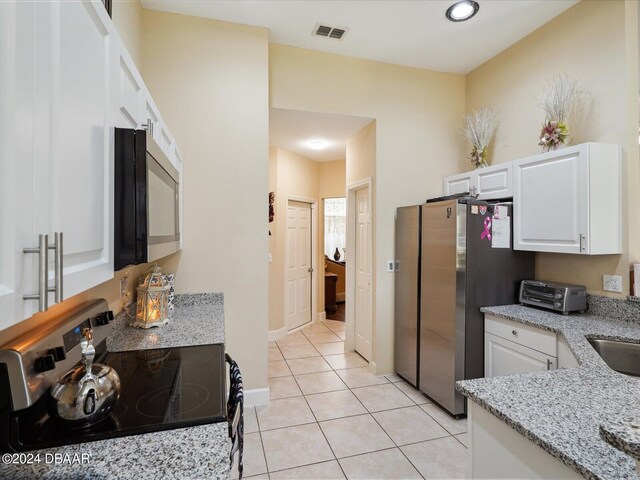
(160, 389)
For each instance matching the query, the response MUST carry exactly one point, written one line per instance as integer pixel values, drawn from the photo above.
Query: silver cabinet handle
(583, 241)
(310, 270)
(514, 332)
(58, 249)
(148, 126)
(549, 364)
(43, 262)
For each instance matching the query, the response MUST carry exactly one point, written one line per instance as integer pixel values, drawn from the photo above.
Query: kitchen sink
(623, 357)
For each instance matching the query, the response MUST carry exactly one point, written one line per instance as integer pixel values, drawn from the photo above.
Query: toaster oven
(560, 297)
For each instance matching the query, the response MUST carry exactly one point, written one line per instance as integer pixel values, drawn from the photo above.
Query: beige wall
(588, 43)
(296, 177)
(276, 288)
(210, 81)
(127, 17)
(292, 175)
(416, 114)
(361, 164)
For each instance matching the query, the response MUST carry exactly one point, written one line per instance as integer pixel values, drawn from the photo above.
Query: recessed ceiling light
(317, 144)
(461, 11)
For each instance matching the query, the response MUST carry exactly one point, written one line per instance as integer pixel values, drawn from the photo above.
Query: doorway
(335, 243)
(299, 264)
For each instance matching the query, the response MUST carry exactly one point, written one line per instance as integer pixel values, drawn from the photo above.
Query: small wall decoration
(272, 199)
(478, 130)
(560, 101)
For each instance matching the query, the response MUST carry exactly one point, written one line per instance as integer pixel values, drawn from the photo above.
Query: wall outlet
(612, 283)
(391, 265)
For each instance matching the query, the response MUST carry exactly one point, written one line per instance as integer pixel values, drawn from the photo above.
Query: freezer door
(442, 302)
(407, 289)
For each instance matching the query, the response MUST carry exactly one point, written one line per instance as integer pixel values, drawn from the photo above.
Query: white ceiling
(292, 130)
(414, 33)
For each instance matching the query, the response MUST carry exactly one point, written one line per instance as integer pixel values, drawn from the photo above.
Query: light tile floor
(329, 418)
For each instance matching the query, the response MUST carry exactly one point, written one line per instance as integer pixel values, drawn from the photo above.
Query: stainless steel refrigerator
(452, 257)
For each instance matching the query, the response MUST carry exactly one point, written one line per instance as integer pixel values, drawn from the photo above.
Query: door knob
(310, 270)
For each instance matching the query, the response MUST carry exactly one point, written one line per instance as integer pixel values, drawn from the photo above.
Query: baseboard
(321, 316)
(341, 297)
(256, 397)
(279, 334)
(372, 367)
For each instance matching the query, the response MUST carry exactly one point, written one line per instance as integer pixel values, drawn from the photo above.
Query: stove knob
(110, 314)
(58, 353)
(44, 364)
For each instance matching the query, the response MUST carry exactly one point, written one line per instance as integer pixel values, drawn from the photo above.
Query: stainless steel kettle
(86, 394)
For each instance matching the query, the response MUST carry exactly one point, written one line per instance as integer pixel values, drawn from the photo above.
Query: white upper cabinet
(126, 89)
(461, 183)
(487, 183)
(66, 81)
(73, 151)
(569, 201)
(18, 271)
(494, 182)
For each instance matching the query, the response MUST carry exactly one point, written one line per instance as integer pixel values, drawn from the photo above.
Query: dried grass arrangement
(560, 101)
(478, 130)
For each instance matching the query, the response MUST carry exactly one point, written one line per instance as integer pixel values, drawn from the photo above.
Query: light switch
(391, 264)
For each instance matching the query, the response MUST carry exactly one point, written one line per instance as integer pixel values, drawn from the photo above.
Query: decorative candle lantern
(152, 304)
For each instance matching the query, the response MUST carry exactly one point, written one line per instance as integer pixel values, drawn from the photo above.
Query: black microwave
(146, 200)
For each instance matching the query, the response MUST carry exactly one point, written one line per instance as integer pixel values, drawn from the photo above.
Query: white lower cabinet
(504, 357)
(511, 348)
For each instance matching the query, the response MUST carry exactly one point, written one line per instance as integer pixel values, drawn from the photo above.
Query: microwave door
(130, 219)
(163, 211)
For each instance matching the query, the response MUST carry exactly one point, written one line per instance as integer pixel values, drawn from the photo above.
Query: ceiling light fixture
(317, 144)
(461, 11)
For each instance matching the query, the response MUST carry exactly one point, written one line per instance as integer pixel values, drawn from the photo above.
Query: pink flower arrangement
(553, 135)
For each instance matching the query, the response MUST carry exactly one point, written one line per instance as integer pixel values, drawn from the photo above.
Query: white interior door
(363, 322)
(298, 264)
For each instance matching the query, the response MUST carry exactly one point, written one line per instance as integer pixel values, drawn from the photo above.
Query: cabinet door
(18, 271)
(459, 183)
(73, 144)
(503, 357)
(551, 202)
(126, 88)
(494, 182)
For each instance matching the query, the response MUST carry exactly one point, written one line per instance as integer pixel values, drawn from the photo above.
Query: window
(335, 222)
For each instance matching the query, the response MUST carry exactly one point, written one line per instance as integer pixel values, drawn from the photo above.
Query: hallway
(328, 415)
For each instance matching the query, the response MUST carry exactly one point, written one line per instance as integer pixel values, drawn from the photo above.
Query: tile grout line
(320, 428)
(392, 440)
(351, 390)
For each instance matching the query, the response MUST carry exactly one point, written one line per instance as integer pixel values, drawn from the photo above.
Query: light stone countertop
(562, 410)
(186, 453)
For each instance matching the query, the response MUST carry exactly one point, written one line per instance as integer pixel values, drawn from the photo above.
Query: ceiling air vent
(329, 32)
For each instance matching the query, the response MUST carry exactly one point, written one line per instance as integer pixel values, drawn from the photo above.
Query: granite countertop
(562, 410)
(187, 453)
(198, 319)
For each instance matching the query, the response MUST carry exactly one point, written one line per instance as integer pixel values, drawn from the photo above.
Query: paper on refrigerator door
(501, 233)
